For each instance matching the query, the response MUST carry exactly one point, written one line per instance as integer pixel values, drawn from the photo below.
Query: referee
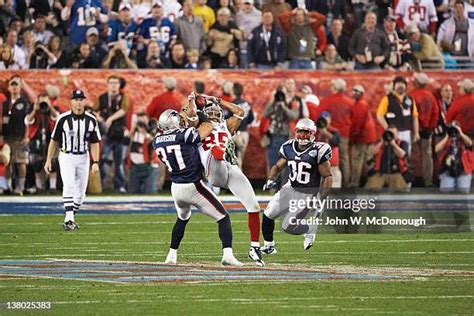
(72, 134)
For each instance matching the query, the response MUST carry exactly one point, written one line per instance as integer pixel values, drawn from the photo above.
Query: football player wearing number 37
(310, 177)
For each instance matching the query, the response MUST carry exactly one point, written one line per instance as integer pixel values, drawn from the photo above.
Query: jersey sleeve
(324, 154)
(282, 153)
(191, 136)
(95, 135)
(56, 134)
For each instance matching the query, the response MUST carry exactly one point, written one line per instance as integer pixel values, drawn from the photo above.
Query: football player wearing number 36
(310, 178)
(220, 163)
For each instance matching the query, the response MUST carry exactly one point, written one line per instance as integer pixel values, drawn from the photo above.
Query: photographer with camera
(390, 167)
(457, 160)
(118, 58)
(328, 134)
(142, 157)
(40, 122)
(280, 114)
(42, 57)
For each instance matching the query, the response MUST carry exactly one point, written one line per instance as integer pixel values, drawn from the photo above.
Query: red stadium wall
(143, 85)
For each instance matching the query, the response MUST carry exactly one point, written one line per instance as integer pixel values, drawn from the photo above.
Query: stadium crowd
(440, 127)
(239, 34)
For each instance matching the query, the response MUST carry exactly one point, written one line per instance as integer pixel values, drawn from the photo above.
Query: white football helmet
(305, 131)
(169, 120)
(213, 112)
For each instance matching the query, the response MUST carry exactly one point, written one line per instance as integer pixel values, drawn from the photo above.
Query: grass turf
(146, 237)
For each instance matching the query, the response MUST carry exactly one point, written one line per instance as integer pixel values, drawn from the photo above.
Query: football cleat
(268, 250)
(70, 226)
(256, 255)
(308, 241)
(231, 261)
(171, 259)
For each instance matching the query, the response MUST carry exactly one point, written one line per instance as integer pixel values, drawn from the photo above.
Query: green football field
(403, 273)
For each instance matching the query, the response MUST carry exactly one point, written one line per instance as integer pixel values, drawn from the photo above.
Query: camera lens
(43, 106)
(453, 132)
(387, 136)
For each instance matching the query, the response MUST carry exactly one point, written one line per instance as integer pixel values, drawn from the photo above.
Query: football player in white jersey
(220, 163)
(310, 177)
(422, 12)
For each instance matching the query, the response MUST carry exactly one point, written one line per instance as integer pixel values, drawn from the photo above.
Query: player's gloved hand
(230, 155)
(269, 185)
(212, 98)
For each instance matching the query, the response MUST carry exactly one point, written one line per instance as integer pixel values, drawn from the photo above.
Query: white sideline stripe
(241, 242)
(119, 223)
(226, 198)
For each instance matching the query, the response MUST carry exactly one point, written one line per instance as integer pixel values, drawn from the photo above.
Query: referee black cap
(78, 94)
(400, 79)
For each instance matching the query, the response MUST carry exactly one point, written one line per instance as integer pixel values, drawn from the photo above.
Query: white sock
(173, 252)
(228, 252)
(21, 183)
(69, 216)
(255, 244)
(53, 179)
(39, 183)
(269, 243)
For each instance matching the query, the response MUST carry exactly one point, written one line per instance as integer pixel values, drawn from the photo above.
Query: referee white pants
(75, 174)
(198, 195)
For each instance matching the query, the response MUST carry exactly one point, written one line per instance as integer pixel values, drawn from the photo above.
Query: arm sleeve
(415, 109)
(95, 135)
(281, 153)
(324, 154)
(191, 136)
(383, 106)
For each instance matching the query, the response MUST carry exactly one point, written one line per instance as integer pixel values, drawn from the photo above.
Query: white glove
(269, 185)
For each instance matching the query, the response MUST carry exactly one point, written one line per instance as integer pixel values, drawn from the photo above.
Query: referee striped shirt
(74, 132)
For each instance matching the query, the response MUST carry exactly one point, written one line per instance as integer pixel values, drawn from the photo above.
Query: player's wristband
(239, 117)
(95, 161)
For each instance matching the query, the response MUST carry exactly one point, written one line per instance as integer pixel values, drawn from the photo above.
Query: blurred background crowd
(237, 34)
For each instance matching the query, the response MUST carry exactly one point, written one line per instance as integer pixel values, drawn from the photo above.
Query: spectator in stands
(205, 63)
(362, 134)
(178, 56)
(207, 15)
(170, 99)
(241, 137)
(446, 97)
(123, 28)
(400, 50)
(277, 8)
(6, 57)
(82, 15)
(247, 20)
(117, 58)
(399, 110)
(332, 9)
(42, 57)
(157, 28)
(172, 9)
(428, 113)
(223, 36)
(140, 157)
(340, 108)
(225, 4)
(5, 153)
(192, 57)
(294, 102)
(153, 58)
(421, 13)
(426, 54)
(15, 133)
(390, 155)
(267, 45)
(98, 48)
(457, 160)
(40, 122)
(28, 46)
(232, 61)
(455, 30)
(279, 113)
(462, 108)
(7, 16)
(111, 108)
(331, 60)
(369, 45)
(328, 134)
(338, 39)
(39, 30)
(190, 29)
(305, 36)
(19, 56)
(310, 101)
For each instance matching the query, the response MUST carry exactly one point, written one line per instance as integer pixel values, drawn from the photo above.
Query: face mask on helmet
(214, 113)
(304, 136)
